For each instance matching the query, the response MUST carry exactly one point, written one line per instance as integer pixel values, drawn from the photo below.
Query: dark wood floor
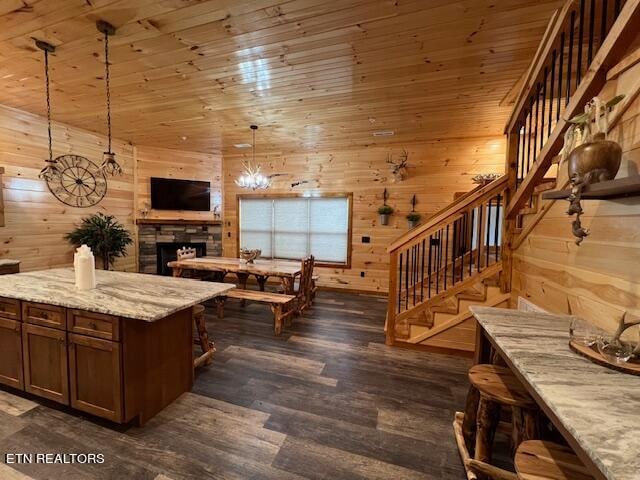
(326, 400)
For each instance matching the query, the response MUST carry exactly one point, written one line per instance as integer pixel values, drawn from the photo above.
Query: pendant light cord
(46, 76)
(107, 80)
(254, 147)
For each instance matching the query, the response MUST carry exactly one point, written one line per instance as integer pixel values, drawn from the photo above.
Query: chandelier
(109, 164)
(251, 177)
(51, 171)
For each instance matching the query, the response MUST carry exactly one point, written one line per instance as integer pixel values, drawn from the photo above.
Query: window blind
(295, 227)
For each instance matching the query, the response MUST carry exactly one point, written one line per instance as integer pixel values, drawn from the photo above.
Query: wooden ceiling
(314, 74)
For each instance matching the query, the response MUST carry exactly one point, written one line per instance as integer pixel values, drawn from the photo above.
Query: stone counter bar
(122, 351)
(131, 295)
(596, 407)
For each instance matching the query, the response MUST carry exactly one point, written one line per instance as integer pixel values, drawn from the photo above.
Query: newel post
(391, 303)
(509, 222)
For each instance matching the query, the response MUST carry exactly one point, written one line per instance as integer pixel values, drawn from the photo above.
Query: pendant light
(51, 170)
(251, 176)
(109, 164)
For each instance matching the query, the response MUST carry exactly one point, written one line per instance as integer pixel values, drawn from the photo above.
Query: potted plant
(385, 211)
(413, 218)
(107, 238)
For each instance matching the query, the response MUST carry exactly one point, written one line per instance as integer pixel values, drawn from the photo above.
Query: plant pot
(384, 218)
(413, 223)
(595, 161)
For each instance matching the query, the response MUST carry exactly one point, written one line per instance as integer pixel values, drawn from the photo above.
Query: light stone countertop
(598, 406)
(129, 295)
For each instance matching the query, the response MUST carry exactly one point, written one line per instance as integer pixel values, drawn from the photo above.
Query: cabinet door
(45, 362)
(11, 353)
(95, 376)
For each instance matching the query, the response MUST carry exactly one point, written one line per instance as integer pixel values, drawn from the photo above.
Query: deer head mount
(399, 168)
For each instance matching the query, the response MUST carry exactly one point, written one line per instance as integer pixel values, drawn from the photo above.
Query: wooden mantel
(175, 221)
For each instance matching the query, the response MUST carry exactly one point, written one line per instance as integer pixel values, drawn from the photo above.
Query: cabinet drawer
(45, 315)
(10, 308)
(94, 324)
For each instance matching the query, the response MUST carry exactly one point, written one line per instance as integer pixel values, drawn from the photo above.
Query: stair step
(528, 210)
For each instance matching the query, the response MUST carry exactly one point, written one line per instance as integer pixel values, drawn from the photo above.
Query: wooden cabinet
(95, 376)
(11, 353)
(45, 362)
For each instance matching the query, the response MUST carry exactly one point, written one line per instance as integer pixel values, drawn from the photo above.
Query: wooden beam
(621, 35)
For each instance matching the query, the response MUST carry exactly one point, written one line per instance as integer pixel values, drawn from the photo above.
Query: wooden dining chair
(305, 292)
(186, 253)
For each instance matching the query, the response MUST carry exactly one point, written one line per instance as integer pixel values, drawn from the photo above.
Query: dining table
(285, 270)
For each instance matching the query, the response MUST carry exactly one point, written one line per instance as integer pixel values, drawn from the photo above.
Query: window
(293, 227)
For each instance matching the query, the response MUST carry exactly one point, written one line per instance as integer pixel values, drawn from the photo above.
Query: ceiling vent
(384, 133)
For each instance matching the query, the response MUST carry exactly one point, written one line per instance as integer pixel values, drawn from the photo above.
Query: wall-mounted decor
(591, 157)
(109, 164)
(399, 168)
(413, 217)
(485, 178)
(251, 177)
(385, 210)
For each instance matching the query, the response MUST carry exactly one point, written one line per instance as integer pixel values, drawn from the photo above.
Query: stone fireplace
(159, 240)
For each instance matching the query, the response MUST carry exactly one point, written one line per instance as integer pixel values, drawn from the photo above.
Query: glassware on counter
(584, 333)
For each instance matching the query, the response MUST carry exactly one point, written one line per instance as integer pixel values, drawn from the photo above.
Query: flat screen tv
(172, 194)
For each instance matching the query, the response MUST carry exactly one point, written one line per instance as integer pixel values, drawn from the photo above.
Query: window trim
(274, 196)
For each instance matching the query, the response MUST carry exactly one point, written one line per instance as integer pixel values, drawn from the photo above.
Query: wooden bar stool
(498, 387)
(540, 460)
(203, 337)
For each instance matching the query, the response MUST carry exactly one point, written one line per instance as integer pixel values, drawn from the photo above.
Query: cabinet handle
(93, 326)
(45, 315)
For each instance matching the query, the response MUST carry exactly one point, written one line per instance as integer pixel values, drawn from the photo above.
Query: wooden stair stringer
(459, 287)
(460, 318)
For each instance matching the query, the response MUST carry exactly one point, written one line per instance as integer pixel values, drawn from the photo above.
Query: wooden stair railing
(445, 254)
(585, 39)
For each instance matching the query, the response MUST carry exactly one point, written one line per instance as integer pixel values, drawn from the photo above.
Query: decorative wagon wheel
(81, 182)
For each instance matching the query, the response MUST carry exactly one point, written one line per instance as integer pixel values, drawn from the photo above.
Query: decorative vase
(384, 219)
(595, 161)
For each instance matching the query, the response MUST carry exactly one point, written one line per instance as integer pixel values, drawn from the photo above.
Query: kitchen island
(121, 351)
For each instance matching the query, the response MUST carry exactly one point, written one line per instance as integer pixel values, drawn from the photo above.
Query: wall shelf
(622, 187)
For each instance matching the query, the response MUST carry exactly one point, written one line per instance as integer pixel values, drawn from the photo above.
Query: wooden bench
(278, 302)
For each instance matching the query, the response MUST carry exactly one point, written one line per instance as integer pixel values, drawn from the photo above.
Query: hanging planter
(413, 219)
(385, 212)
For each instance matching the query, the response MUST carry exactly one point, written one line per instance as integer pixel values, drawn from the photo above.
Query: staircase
(441, 268)
(462, 256)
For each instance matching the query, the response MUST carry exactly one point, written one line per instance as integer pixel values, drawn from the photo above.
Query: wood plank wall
(438, 170)
(599, 280)
(169, 163)
(35, 222)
